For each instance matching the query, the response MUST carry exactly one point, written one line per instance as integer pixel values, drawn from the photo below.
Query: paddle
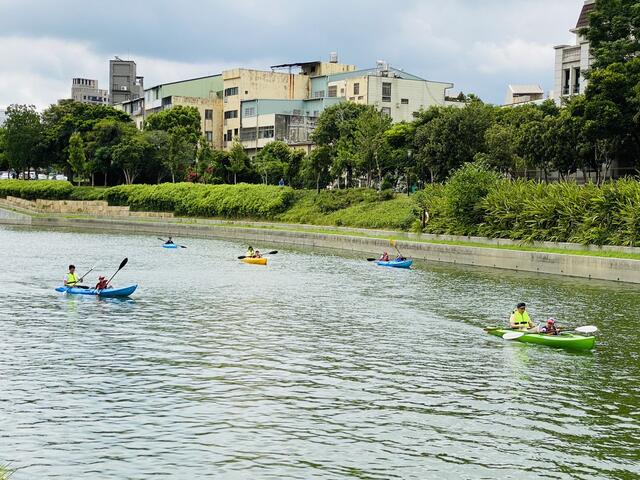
(583, 329)
(165, 242)
(273, 252)
(122, 264)
(393, 243)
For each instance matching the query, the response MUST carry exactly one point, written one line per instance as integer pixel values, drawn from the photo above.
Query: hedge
(32, 189)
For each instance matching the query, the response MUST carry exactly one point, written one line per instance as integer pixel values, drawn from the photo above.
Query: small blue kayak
(170, 245)
(396, 263)
(107, 292)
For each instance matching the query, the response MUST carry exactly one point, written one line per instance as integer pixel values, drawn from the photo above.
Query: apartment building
(203, 93)
(573, 60)
(124, 82)
(86, 90)
(264, 106)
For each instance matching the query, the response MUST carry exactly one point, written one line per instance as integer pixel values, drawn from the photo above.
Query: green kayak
(566, 340)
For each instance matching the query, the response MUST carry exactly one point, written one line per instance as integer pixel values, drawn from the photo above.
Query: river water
(319, 365)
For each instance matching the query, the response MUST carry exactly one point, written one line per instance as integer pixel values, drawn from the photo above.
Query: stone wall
(97, 208)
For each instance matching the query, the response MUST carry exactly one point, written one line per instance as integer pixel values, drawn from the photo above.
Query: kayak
(396, 263)
(255, 261)
(170, 245)
(107, 292)
(566, 340)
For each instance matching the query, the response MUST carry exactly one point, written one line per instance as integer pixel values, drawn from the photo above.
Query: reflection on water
(316, 366)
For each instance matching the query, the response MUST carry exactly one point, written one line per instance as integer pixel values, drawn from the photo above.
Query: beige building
(86, 90)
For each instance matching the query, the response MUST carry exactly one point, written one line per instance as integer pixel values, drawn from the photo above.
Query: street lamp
(409, 152)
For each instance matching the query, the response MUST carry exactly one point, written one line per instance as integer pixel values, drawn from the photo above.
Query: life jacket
(72, 279)
(520, 319)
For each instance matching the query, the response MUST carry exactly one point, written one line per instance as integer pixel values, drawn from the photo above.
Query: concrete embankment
(585, 266)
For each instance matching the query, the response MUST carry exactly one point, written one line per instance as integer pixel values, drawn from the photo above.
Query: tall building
(124, 82)
(85, 90)
(262, 106)
(573, 60)
(204, 93)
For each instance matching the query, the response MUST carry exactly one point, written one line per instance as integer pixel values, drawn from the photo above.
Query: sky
(480, 46)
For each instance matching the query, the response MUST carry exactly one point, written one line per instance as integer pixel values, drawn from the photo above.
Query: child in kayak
(549, 328)
(102, 283)
(384, 257)
(250, 252)
(169, 242)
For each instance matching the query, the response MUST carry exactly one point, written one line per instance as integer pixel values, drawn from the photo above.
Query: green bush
(88, 193)
(464, 193)
(33, 189)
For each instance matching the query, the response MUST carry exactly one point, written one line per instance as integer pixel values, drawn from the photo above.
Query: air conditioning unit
(123, 87)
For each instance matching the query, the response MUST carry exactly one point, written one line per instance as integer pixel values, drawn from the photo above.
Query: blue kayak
(170, 245)
(107, 292)
(396, 263)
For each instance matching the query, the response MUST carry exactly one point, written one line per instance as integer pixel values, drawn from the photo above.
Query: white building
(3, 116)
(518, 94)
(85, 90)
(573, 60)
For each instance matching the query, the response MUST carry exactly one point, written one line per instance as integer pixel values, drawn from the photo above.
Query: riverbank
(610, 263)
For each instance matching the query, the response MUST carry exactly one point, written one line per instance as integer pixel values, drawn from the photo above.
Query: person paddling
(71, 279)
(250, 252)
(102, 283)
(384, 257)
(169, 242)
(520, 319)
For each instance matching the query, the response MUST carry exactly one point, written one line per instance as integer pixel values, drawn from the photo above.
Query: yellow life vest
(71, 279)
(520, 319)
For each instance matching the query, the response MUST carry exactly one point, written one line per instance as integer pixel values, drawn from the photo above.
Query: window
(235, 132)
(404, 101)
(266, 132)
(318, 94)
(224, 137)
(576, 80)
(360, 97)
(247, 134)
(228, 92)
(208, 114)
(386, 111)
(356, 89)
(352, 99)
(230, 114)
(386, 91)
(209, 135)
(250, 112)
(342, 91)
(296, 112)
(229, 135)
(333, 91)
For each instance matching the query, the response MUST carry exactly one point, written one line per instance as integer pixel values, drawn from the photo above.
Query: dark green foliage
(33, 189)
(233, 201)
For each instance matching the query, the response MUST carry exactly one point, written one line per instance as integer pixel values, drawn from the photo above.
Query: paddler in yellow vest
(71, 279)
(520, 318)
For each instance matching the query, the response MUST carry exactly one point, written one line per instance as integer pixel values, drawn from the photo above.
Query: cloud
(479, 46)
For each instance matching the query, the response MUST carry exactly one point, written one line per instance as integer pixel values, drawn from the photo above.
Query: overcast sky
(479, 45)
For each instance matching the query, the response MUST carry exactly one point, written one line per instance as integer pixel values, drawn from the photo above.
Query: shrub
(32, 189)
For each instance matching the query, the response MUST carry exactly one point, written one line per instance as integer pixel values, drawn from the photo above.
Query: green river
(318, 366)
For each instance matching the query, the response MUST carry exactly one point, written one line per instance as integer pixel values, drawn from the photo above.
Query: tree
(77, 159)
(238, 159)
(272, 160)
(157, 147)
(613, 32)
(181, 152)
(23, 138)
(67, 117)
(187, 119)
(502, 143)
(316, 166)
(105, 133)
(129, 156)
(371, 143)
(336, 129)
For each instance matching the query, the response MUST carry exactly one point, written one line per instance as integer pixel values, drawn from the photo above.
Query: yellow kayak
(255, 261)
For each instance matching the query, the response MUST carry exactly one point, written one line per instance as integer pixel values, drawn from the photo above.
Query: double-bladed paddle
(583, 329)
(122, 264)
(273, 252)
(165, 242)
